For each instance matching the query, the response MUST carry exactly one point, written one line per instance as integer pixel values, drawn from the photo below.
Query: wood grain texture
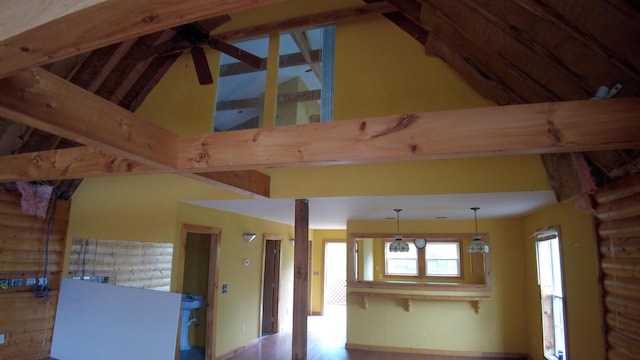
(507, 130)
(75, 31)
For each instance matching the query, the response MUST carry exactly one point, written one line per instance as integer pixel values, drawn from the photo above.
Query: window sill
(410, 285)
(474, 301)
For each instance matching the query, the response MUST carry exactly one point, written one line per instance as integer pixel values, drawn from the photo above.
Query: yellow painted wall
(500, 326)
(580, 270)
(241, 304)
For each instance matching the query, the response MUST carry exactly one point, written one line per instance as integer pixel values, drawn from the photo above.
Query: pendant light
(398, 245)
(477, 246)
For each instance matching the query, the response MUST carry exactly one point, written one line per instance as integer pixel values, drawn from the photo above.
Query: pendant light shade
(477, 246)
(398, 245)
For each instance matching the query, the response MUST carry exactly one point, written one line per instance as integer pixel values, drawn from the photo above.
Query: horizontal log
(75, 268)
(33, 222)
(620, 247)
(615, 354)
(9, 256)
(623, 343)
(624, 326)
(629, 227)
(621, 267)
(625, 306)
(56, 243)
(623, 208)
(145, 284)
(621, 188)
(28, 266)
(623, 287)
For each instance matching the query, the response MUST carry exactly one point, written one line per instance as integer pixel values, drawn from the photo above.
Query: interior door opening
(199, 283)
(270, 287)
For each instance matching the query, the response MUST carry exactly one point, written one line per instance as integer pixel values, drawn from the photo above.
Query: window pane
(443, 258)
(300, 76)
(401, 263)
(241, 90)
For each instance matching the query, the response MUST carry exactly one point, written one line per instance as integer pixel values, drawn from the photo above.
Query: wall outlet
(1, 339)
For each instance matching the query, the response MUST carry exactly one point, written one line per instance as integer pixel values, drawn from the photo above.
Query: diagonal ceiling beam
(42, 100)
(71, 30)
(516, 129)
(126, 142)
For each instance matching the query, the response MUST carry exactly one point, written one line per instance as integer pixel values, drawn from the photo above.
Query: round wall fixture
(245, 262)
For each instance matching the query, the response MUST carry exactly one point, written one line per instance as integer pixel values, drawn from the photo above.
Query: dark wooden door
(271, 285)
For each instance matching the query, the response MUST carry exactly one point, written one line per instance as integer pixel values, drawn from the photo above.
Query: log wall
(27, 320)
(145, 265)
(618, 213)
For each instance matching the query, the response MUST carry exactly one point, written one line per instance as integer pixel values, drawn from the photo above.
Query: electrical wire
(42, 289)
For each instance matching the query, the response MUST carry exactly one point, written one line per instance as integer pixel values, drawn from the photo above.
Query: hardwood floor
(325, 341)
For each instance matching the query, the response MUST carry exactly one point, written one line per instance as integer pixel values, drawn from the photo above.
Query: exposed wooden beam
(515, 129)
(531, 44)
(477, 75)
(86, 161)
(308, 95)
(325, 18)
(301, 38)
(74, 31)
(288, 60)
(551, 14)
(446, 20)
(114, 59)
(40, 99)
(69, 163)
(251, 183)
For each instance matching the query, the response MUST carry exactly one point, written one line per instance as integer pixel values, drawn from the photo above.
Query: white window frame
(551, 285)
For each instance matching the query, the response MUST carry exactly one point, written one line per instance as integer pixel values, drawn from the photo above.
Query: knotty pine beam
(85, 161)
(503, 130)
(126, 142)
(40, 99)
(75, 30)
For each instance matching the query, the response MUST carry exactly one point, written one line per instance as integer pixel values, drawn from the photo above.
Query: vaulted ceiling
(511, 52)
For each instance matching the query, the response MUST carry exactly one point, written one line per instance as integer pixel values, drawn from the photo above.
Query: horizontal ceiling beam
(71, 30)
(86, 161)
(504, 130)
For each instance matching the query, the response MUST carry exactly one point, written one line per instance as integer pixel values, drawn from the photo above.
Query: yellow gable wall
(580, 270)
(374, 75)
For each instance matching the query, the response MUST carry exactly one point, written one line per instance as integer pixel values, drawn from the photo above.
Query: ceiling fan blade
(163, 48)
(209, 25)
(235, 52)
(201, 65)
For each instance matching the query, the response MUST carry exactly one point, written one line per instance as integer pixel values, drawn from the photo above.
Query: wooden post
(300, 281)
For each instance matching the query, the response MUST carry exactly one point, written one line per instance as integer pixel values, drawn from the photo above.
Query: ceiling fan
(194, 35)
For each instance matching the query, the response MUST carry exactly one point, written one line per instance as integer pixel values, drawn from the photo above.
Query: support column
(300, 281)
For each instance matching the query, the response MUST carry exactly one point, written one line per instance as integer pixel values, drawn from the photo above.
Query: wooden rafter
(301, 38)
(287, 60)
(325, 18)
(549, 13)
(455, 27)
(73, 32)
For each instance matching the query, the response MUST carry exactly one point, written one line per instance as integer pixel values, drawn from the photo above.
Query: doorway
(270, 285)
(200, 249)
(335, 277)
